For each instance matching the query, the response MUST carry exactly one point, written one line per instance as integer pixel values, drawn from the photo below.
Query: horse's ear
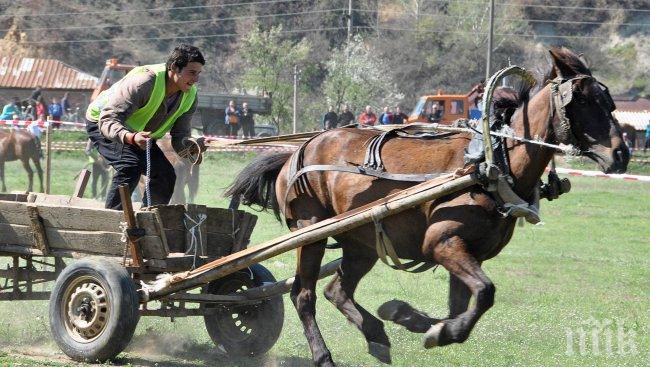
(560, 66)
(581, 56)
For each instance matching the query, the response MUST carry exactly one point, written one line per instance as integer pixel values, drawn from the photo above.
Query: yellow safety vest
(139, 119)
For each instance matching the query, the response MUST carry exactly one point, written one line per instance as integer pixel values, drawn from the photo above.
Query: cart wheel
(94, 309)
(245, 330)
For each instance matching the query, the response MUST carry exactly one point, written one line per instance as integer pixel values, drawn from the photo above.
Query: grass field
(588, 263)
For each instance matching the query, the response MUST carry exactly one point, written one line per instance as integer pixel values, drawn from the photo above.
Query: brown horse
(20, 145)
(458, 231)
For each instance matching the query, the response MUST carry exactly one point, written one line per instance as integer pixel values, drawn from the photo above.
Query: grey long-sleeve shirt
(132, 94)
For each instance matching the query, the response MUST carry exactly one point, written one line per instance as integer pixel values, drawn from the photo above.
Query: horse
(458, 231)
(20, 145)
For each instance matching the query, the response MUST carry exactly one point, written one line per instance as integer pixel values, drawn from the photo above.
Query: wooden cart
(95, 305)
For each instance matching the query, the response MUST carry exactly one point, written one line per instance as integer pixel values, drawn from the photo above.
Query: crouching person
(148, 102)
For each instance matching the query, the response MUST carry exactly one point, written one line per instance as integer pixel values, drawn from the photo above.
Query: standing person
(65, 104)
(36, 94)
(399, 117)
(232, 115)
(56, 112)
(367, 117)
(10, 109)
(647, 138)
(247, 121)
(346, 117)
(40, 108)
(330, 119)
(34, 129)
(386, 118)
(148, 102)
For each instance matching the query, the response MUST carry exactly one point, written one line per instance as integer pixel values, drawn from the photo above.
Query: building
(633, 114)
(19, 76)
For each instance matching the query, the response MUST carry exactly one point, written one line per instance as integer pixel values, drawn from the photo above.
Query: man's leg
(127, 160)
(162, 178)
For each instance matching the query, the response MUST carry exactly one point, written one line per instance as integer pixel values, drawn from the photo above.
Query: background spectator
(40, 106)
(232, 119)
(346, 117)
(56, 112)
(399, 117)
(386, 118)
(436, 113)
(367, 117)
(247, 121)
(647, 138)
(330, 119)
(36, 94)
(65, 104)
(10, 109)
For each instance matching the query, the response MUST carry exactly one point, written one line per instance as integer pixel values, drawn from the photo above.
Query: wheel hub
(87, 311)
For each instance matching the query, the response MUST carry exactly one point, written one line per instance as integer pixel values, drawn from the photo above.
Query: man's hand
(139, 139)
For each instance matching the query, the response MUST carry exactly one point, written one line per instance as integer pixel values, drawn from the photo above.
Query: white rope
(192, 230)
(147, 188)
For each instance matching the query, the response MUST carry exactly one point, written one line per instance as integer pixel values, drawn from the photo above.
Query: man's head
(386, 109)
(244, 105)
(184, 65)
(231, 104)
(368, 109)
(330, 108)
(55, 100)
(398, 109)
(346, 108)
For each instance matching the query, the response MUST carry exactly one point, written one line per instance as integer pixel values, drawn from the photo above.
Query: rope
(147, 188)
(192, 230)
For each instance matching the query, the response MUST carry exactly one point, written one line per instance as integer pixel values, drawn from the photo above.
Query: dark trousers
(129, 163)
(249, 129)
(233, 129)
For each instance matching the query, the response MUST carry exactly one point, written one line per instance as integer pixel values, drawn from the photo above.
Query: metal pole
(349, 20)
(295, 96)
(489, 45)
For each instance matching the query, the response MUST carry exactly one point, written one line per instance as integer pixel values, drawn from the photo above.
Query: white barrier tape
(622, 176)
(41, 124)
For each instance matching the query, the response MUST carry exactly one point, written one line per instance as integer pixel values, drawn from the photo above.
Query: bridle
(562, 91)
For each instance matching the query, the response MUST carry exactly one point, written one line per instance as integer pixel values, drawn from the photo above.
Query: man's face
(245, 106)
(186, 78)
(398, 110)
(368, 109)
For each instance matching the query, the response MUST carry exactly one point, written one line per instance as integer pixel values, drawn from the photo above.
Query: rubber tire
(268, 316)
(123, 316)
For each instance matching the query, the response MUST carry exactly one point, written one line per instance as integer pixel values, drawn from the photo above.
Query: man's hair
(182, 55)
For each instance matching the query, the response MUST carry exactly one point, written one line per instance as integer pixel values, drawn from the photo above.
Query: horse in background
(458, 231)
(20, 145)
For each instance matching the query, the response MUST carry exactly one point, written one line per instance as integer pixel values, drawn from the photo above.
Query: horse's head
(582, 113)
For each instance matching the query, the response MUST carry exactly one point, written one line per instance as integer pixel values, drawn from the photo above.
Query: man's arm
(132, 94)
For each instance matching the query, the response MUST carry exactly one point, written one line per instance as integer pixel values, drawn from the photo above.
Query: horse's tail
(255, 184)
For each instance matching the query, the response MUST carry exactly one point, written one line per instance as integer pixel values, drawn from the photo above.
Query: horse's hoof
(432, 336)
(380, 351)
(391, 310)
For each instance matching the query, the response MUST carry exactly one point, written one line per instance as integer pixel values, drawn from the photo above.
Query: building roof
(624, 103)
(28, 73)
(637, 119)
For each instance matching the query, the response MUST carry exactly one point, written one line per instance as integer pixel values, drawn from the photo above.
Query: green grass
(589, 259)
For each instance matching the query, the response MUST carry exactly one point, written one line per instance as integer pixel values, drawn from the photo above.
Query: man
(647, 138)
(346, 117)
(148, 102)
(367, 117)
(247, 122)
(399, 117)
(330, 119)
(386, 118)
(436, 114)
(56, 112)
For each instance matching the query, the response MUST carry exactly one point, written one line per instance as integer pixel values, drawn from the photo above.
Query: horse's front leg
(452, 254)
(303, 296)
(357, 262)
(30, 174)
(2, 175)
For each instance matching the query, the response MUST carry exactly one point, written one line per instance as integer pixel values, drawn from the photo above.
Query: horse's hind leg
(452, 254)
(39, 170)
(30, 174)
(2, 175)
(340, 291)
(303, 295)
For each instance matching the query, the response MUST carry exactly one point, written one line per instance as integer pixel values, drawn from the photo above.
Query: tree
(269, 68)
(357, 77)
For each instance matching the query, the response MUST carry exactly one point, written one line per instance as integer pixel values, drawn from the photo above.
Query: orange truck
(447, 108)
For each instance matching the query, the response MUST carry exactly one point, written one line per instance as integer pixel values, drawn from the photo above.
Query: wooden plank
(159, 227)
(218, 245)
(171, 217)
(14, 213)
(40, 238)
(220, 220)
(13, 197)
(16, 234)
(86, 219)
(195, 212)
(87, 203)
(243, 234)
(82, 181)
(153, 248)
